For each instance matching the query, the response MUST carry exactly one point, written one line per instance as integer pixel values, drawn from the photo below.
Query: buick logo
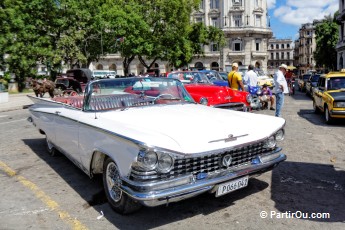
(230, 137)
(226, 160)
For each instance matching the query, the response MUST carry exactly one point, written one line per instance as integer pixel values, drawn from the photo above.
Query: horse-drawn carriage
(73, 83)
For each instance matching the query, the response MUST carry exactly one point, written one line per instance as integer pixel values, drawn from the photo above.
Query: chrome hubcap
(113, 182)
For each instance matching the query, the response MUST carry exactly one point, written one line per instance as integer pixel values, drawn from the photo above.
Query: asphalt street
(305, 192)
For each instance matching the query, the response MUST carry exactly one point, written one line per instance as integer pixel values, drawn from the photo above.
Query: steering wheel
(163, 95)
(213, 78)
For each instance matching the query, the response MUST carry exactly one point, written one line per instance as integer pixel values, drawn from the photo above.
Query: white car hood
(188, 128)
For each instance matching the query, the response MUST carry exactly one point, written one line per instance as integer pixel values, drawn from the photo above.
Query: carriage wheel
(73, 93)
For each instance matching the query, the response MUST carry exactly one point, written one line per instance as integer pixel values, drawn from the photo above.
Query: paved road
(43, 192)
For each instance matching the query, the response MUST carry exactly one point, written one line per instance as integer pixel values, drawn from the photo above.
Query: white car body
(181, 130)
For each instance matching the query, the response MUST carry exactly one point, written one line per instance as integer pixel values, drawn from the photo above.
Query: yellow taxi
(329, 96)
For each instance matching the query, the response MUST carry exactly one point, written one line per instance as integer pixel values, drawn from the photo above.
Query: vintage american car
(215, 77)
(302, 81)
(311, 83)
(149, 140)
(329, 96)
(205, 92)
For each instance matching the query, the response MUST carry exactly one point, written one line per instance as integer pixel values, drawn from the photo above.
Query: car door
(318, 92)
(67, 131)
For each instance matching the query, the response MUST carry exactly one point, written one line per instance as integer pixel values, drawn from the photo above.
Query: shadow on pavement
(309, 188)
(318, 119)
(146, 218)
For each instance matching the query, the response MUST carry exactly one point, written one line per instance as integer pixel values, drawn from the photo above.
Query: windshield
(335, 83)
(123, 93)
(315, 78)
(224, 75)
(190, 77)
(306, 76)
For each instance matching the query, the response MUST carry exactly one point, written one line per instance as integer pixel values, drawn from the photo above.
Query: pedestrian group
(250, 79)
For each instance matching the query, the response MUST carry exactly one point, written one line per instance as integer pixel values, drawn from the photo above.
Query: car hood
(337, 95)
(188, 128)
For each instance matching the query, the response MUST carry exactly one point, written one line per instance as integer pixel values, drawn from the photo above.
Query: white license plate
(232, 186)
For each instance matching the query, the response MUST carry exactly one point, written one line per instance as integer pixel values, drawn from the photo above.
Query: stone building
(340, 47)
(306, 47)
(280, 51)
(246, 28)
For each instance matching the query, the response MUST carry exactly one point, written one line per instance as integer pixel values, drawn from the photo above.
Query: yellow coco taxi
(329, 96)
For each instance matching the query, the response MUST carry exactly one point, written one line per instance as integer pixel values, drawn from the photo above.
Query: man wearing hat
(235, 78)
(280, 88)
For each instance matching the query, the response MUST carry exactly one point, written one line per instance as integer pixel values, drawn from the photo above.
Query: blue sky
(287, 16)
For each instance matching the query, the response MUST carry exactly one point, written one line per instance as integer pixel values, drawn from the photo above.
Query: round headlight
(270, 143)
(258, 92)
(148, 160)
(203, 101)
(280, 135)
(165, 163)
(249, 98)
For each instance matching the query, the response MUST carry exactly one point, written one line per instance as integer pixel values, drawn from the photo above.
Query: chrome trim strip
(154, 198)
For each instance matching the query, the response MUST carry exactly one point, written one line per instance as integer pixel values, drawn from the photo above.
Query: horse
(41, 87)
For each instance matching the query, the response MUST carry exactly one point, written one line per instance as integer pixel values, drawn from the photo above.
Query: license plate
(232, 186)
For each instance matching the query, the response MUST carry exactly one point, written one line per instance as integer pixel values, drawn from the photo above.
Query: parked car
(311, 83)
(263, 78)
(155, 145)
(329, 96)
(215, 77)
(302, 82)
(204, 92)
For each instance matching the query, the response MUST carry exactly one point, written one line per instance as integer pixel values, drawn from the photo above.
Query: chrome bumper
(193, 186)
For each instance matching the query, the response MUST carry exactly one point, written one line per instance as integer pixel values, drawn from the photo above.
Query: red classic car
(204, 92)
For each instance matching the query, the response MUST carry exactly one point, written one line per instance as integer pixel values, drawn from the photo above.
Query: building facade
(246, 28)
(340, 47)
(280, 51)
(306, 47)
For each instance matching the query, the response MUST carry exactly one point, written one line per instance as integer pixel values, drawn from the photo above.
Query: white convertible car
(153, 144)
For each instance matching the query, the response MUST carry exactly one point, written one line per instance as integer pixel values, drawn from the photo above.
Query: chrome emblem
(226, 160)
(229, 138)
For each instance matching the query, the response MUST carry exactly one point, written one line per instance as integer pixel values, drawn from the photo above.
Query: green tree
(326, 34)
(24, 39)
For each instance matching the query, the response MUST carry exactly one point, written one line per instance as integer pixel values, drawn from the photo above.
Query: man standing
(251, 78)
(280, 87)
(235, 78)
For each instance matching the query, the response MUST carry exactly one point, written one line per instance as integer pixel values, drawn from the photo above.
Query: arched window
(99, 67)
(112, 67)
(199, 65)
(215, 66)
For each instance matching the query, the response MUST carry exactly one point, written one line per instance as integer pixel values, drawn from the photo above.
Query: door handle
(57, 112)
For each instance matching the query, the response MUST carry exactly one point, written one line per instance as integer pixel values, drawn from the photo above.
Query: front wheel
(50, 148)
(328, 118)
(315, 108)
(118, 200)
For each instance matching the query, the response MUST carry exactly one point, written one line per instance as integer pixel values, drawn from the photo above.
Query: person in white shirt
(280, 88)
(251, 78)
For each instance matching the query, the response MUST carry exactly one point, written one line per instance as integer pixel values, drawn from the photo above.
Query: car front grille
(212, 163)
(208, 163)
(231, 106)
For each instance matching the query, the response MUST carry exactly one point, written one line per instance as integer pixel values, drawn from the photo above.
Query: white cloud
(271, 4)
(297, 12)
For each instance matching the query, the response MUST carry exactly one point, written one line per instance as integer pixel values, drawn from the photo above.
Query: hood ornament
(230, 137)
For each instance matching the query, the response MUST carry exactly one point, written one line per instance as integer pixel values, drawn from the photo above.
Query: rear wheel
(118, 200)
